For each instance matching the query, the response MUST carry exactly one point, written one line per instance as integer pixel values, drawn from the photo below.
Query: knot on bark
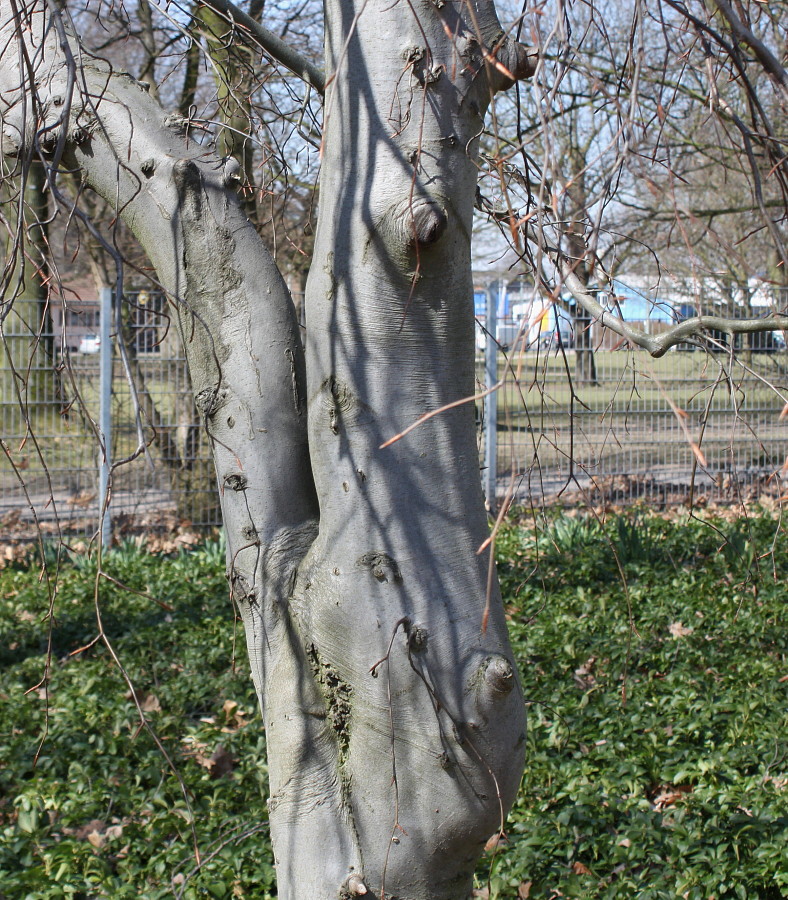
(498, 676)
(249, 533)
(81, 134)
(410, 223)
(491, 682)
(353, 887)
(235, 481)
(231, 174)
(210, 400)
(429, 221)
(381, 565)
(241, 589)
(177, 123)
(337, 399)
(48, 141)
(418, 639)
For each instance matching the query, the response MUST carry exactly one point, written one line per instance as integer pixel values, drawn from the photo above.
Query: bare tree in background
(361, 565)
(678, 113)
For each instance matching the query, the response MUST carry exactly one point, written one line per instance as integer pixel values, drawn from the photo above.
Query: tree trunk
(582, 259)
(585, 358)
(394, 720)
(429, 752)
(234, 85)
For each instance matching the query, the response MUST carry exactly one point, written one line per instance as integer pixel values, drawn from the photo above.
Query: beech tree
(377, 642)
(359, 552)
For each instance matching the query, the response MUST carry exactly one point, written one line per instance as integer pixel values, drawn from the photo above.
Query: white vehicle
(90, 343)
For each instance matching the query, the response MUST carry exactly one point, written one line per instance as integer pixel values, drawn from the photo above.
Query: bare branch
(657, 345)
(273, 46)
(764, 55)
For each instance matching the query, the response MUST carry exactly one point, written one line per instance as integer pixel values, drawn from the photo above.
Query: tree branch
(765, 57)
(656, 344)
(246, 362)
(275, 47)
(180, 202)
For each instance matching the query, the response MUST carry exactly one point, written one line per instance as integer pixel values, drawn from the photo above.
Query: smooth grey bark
(431, 751)
(239, 332)
(395, 724)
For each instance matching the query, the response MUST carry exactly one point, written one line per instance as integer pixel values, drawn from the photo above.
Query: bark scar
(338, 694)
(294, 380)
(337, 399)
(381, 565)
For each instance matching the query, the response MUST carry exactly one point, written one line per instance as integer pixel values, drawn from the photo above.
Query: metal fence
(691, 425)
(160, 473)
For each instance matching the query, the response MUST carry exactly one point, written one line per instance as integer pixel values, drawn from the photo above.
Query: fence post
(105, 417)
(491, 400)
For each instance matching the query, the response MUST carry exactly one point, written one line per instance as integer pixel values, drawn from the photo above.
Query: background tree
(674, 105)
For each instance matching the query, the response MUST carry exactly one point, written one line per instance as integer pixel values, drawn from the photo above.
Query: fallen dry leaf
(779, 783)
(496, 840)
(668, 795)
(222, 762)
(584, 675)
(150, 703)
(84, 831)
(96, 839)
(677, 630)
(199, 751)
(12, 553)
(235, 716)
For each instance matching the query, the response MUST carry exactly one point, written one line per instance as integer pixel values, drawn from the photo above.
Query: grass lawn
(653, 660)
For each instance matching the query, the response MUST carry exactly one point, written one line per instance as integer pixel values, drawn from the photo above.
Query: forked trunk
(395, 723)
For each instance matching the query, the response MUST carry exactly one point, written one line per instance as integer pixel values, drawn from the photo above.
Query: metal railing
(160, 471)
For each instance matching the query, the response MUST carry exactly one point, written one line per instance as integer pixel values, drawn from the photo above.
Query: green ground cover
(658, 760)
(653, 657)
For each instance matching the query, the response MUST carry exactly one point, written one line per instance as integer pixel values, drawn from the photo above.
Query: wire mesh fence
(689, 427)
(692, 426)
(161, 472)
